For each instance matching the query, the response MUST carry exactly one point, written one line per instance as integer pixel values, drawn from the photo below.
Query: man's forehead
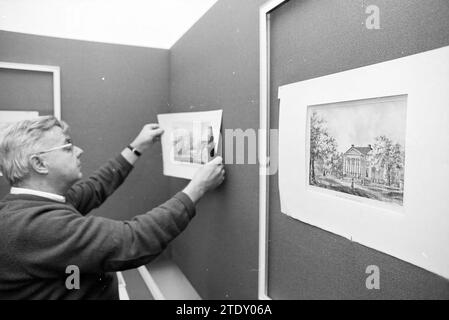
(55, 135)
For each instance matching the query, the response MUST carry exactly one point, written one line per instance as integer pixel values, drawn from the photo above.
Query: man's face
(64, 166)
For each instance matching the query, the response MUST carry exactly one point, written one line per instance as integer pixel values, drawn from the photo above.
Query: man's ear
(38, 165)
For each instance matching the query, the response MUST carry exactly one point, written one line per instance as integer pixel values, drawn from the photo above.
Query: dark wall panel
(108, 93)
(312, 38)
(216, 65)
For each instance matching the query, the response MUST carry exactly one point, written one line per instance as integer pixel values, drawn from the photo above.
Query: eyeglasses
(68, 146)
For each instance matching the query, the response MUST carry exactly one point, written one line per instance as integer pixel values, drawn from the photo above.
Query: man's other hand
(209, 177)
(150, 133)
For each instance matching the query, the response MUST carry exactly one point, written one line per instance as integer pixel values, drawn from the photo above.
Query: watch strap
(134, 150)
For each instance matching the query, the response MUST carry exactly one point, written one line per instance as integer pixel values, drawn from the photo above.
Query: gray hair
(18, 141)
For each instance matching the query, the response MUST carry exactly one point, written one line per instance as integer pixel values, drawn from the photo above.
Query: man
(43, 224)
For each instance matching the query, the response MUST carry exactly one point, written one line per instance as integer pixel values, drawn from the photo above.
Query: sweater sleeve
(91, 193)
(97, 245)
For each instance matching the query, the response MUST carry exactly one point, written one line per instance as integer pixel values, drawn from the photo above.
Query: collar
(51, 196)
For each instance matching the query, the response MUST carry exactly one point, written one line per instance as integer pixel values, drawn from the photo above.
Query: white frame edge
(151, 283)
(123, 293)
(264, 143)
(54, 70)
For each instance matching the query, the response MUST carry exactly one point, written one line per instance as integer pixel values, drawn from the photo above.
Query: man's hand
(207, 178)
(149, 134)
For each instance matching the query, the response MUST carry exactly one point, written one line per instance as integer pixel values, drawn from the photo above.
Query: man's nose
(78, 151)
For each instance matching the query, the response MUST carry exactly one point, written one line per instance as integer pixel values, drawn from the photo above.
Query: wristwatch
(134, 150)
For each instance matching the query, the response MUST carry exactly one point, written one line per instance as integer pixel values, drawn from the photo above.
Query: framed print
(190, 140)
(53, 70)
(363, 154)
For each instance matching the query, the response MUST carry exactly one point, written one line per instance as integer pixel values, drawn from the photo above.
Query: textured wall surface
(216, 65)
(316, 38)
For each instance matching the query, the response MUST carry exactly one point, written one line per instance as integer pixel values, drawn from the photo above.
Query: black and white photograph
(232, 157)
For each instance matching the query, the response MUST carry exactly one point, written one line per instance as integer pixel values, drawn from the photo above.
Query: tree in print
(322, 147)
(387, 157)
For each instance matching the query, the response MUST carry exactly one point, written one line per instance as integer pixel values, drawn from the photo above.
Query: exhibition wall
(308, 39)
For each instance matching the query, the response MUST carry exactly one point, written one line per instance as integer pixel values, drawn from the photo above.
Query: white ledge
(166, 281)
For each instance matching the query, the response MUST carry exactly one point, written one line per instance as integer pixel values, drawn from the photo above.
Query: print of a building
(356, 163)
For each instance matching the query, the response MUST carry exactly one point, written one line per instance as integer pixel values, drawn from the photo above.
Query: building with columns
(356, 164)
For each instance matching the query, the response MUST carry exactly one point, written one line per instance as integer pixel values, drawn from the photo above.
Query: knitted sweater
(40, 238)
